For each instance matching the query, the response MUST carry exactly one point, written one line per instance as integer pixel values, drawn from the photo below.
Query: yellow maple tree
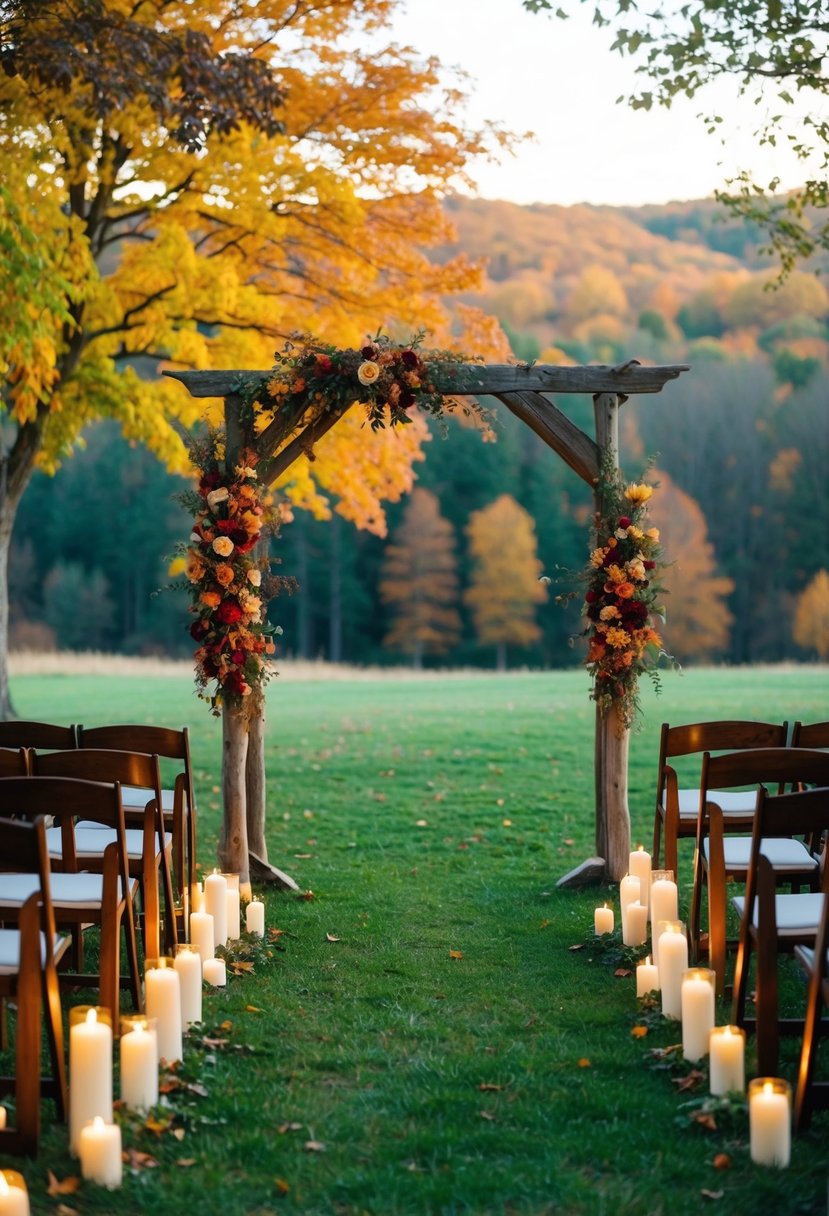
(505, 586)
(195, 183)
(811, 618)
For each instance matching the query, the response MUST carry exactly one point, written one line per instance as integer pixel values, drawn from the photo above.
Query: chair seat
(10, 950)
(732, 802)
(795, 914)
(135, 798)
(68, 890)
(92, 838)
(782, 852)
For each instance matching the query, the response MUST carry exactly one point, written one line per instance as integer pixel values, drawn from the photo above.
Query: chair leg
(657, 839)
(695, 914)
(808, 1051)
(767, 999)
(741, 970)
(27, 1030)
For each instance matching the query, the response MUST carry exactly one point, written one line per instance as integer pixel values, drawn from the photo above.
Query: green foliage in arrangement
(436, 1030)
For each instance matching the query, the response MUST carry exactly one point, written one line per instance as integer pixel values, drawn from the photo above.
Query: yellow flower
(597, 557)
(610, 613)
(194, 567)
(638, 494)
(244, 470)
(223, 546)
(636, 569)
(618, 638)
(653, 533)
(368, 372)
(177, 566)
(615, 574)
(635, 533)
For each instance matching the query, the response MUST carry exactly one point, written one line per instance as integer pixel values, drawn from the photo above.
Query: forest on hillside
(740, 446)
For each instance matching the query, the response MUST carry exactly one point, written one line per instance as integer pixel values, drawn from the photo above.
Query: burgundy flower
(649, 565)
(199, 630)
(368, 352)
(610, 557)
(209, 481)
(238, 657)
(624, 522)
(591, 597)
(409, 359)
(229, 612)
(324, 363)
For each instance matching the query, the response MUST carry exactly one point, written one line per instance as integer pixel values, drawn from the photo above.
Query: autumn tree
(775, 52)
(811, 619)
(188, 185)
(698, 619)
(505, 586)
(419, 581)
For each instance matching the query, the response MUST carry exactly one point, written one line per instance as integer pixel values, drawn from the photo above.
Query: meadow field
(426, 1037)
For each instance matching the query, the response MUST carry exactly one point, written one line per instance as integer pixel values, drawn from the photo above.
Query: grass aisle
(424, 1039)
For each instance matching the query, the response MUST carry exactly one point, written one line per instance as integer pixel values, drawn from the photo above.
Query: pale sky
(561, 80)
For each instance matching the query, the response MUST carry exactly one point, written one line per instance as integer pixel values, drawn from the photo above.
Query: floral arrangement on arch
(228, 582)
(623, 594)
(389, 379)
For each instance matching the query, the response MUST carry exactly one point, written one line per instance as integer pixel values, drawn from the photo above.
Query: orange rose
(624, 590)
(224, 574)
(211, 599)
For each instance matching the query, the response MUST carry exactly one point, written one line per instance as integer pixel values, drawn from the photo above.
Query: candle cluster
(172, 1001)
(688, 994)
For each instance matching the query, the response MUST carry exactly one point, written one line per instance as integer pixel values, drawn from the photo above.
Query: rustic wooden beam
(557, 430)
(302, 445)
(473, 379)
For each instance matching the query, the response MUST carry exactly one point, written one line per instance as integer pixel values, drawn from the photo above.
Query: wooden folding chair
(812, 1094)
(14, 761)
(810, 734)
(771, 920)
(28, 976)
(723, 846)
(178, 800)
(80, 898)
(43, 735)
(145, 855)
(677, 807)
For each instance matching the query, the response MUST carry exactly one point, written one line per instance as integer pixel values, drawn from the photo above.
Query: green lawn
(431, 818)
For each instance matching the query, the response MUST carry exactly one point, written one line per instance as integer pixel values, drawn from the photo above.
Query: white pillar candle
(255, 918)
(639, 865)
(90, 1070)
(673, 963)
(215, 902)
(636, 925)
(139, 1063)
(727, 1048)
(234, 914)
(163, 1002)
(3, 1116)
(698, 1011)
(647, 977)
(629, 892)
(188, 965)
(664, 905)
(100, 1153)
(769, 1118)
(196, 898)
(215, 972)
(14, 1197)
(201, 934)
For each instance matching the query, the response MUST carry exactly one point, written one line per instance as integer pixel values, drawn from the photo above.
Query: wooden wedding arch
(525, 391)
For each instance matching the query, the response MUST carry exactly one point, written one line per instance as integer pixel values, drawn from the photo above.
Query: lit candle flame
(4, 1186)
(91, 1015)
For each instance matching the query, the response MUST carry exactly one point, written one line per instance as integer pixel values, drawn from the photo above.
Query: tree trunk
(233, 844)
(612, 815)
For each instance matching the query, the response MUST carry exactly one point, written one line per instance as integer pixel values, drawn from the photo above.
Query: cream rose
(223, 546)
(368, 372)
(255, 577)
(220, 494)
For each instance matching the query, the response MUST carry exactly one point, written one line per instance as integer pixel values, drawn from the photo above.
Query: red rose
(649, 565)
(238, 657)
(229, 612)
(624, 522)
(591, 597)
(324, 363)
(199, 630)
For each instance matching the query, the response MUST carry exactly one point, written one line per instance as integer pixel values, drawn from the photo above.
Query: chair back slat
(158, 740)
(61, 797)
(99, 764)
(37, 734)
(778, 765)
(728, 735)
(14, 761)
(810, 734)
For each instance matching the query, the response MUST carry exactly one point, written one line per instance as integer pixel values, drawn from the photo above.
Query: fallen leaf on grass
(705, 1119)
(331, 937)
(639, 1032)
(214, 1044)
(157, 1126)
(585, 1063)
(314, 1146)
(225, 1026)
(137, 1160)
(62, 1186)
(544, 924)
(622, 972)
(282, 1187)
(179, 1133)
(722, 1161)
(578, 946)
(303, 856)
(456, 953)
(253, 1009)
(308, 895)
(241, 968)
(711, 1194)
(422, 823)
(289, 1127)
(275, 934)
(689, 1082)
(662, 1053)
(185, 1162)
(507, 823)
(488, 1115)
(489, 1087)
(63, 1210)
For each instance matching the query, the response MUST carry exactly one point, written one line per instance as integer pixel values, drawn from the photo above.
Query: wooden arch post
(524, 390)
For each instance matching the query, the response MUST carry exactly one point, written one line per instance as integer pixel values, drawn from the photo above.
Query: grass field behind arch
(449, 1051)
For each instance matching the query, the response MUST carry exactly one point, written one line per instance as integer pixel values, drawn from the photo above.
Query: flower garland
(228, 583)
(388, 379)
(623, 590)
